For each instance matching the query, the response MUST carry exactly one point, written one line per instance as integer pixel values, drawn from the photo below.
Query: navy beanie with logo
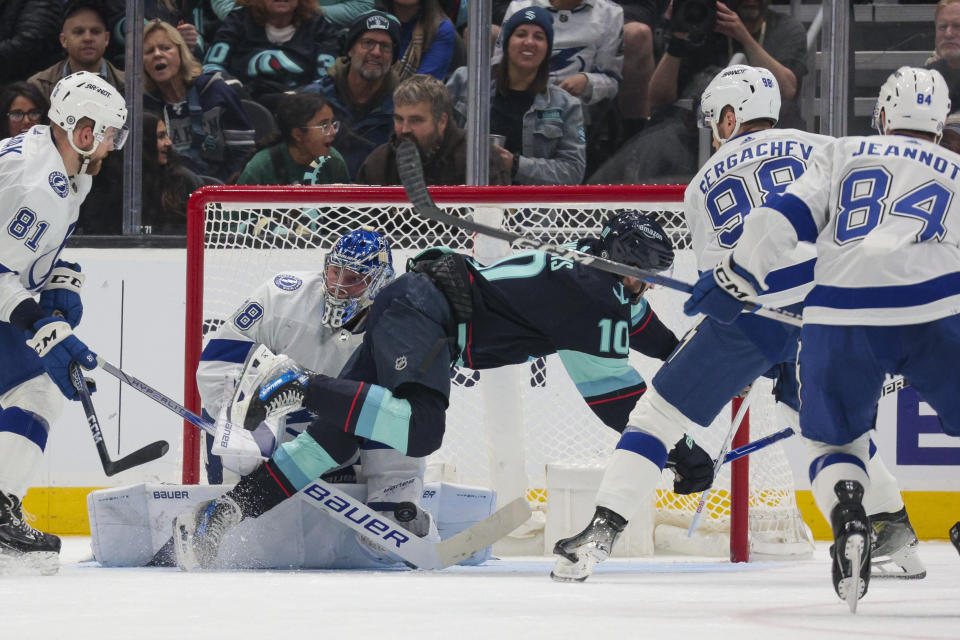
(529, 15)
(374, 21)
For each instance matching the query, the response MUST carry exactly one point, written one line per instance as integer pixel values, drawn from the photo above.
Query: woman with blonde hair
(272, 46)
(202, 113)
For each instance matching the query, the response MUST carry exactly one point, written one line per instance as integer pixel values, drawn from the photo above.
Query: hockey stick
(756, 445)
(411, 174)
(147, 454)
(721, 458)
(361, 518)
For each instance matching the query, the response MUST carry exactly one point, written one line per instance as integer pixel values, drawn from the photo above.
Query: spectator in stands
(947, 47)
(640, 19)
(951, 133)
(191, 18)
(340, 13)
(542, 124)
(273, 46)
(301, 153)
(772, 40)
(167, 184)
(587, 52)
(203, 114)
(21, 106)
(28, 37)
(84, 36)
(360, 84)
(422, 114)
(426, 37)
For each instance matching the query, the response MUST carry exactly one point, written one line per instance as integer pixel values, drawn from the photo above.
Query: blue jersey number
(729, 202)
(22, 226)
(614, 337)
(248, 316)
(863, 195)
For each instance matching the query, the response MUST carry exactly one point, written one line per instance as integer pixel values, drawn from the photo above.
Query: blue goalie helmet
(638, 240)
(356, 269)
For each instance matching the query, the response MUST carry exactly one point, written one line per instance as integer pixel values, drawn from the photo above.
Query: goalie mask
(752, 93)
(355, 270)
(913, 99)
(87, 95)
(635, 239)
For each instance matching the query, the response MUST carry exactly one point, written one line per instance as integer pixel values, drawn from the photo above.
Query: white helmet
(913, 99)
(87, 95)
(752, 93)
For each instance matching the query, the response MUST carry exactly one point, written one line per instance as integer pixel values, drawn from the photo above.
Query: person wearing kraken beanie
(374, 21)
(530, 15)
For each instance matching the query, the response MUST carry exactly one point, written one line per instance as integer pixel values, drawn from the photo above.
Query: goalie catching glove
(271, 386)
(692, 467)
(723, 292)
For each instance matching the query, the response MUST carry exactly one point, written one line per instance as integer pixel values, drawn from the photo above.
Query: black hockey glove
(692, 467)
(450, 275)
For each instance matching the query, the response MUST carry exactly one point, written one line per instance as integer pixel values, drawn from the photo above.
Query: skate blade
(182, 544)
(903, 564)
(852, 588)
(579, 571)
(44, 563)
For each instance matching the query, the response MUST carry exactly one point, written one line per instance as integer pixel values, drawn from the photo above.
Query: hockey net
(504, 438)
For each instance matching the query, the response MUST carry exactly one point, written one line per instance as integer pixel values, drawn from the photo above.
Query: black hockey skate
(955, 536)
(895, 548)
(579, 554)
(23, 549)
(197, 534)
(851, 549)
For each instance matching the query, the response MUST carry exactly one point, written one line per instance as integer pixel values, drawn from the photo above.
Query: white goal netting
(537, 417)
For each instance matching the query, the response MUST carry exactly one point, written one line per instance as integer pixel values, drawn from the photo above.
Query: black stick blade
(149, 453)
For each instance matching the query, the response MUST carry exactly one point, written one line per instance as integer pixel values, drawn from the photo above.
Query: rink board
(128, 525)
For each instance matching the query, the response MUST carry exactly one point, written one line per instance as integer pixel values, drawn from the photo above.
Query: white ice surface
(660, 599)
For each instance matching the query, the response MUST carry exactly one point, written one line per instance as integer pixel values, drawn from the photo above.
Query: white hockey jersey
(740, 176)
(282, 314)
(39, 206)
(884, 215)
(588, 39)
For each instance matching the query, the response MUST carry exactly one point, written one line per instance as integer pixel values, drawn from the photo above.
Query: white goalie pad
(128, 525)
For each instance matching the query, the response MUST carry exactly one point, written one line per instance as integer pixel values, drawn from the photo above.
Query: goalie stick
(144, 455)
(356, 515)
(411, 174)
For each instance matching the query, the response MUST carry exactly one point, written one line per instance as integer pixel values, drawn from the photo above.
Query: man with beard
(360, 84)
(45, 173)
(422, 111)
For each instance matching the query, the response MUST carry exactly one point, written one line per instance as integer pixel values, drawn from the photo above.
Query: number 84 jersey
(743, 175)
(39, 206)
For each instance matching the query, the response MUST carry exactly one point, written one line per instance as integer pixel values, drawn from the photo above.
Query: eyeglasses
(326, 128)
(33, 115)
(367, 44)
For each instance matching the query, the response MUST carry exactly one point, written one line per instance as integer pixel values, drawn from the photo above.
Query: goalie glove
(270, 385)
(723, 292)
(61, 294)
(692, 467)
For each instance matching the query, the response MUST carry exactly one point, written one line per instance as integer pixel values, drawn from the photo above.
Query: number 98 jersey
(39, 206)
(742, 175)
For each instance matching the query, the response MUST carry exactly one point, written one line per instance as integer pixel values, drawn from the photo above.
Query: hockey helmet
(356, 269)
(913, 99)
(87, 95)
(635, 239)
(752, 93)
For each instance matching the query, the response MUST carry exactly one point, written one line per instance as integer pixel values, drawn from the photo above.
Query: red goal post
(238, 236)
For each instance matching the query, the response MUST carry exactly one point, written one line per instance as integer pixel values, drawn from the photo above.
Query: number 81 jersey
(39, 206)
(742, 175)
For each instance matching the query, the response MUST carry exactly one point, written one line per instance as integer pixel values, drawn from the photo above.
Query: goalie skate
(895, 548)
(581, 553)
(197, 534)
(23, 549)
(850, 552)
